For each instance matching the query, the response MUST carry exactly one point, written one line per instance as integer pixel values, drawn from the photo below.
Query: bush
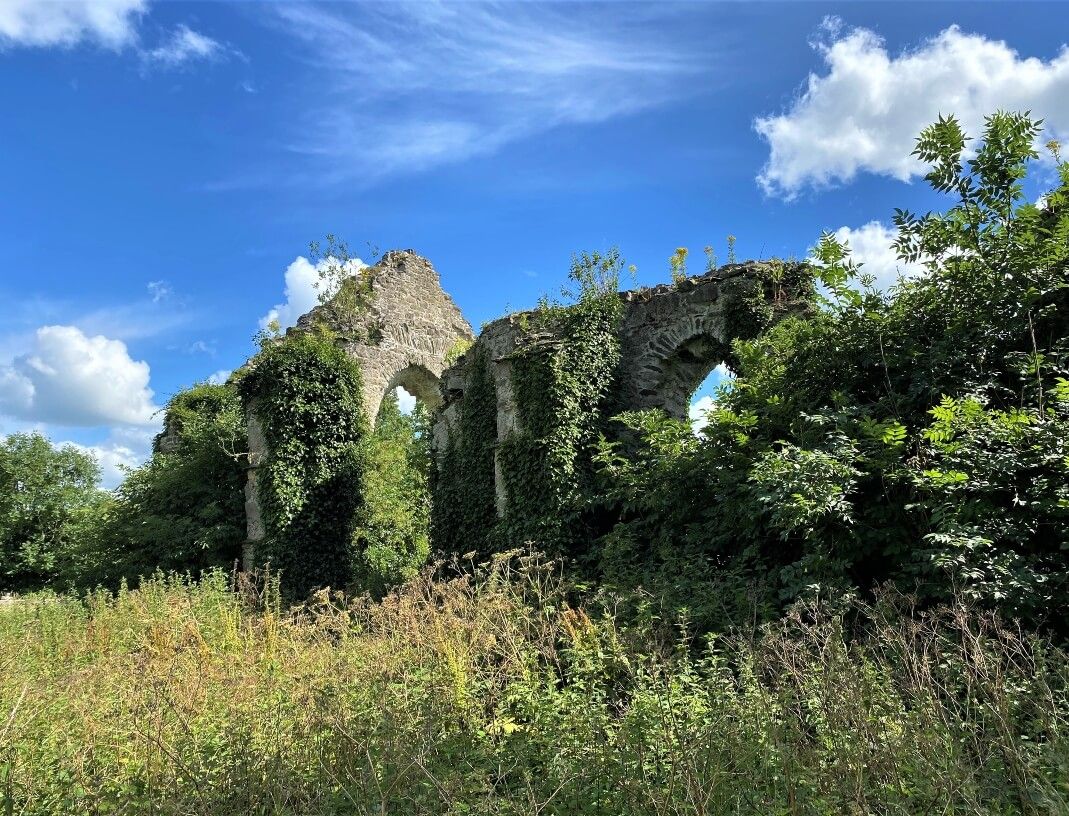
(919, 436)
(47, 496)
(391, 533)
(183, 510)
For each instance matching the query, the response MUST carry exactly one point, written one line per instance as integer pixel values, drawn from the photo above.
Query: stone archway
(407, 331)
(418, 381)
(404, 335)
(671, 337)
(674, 335)
(677, 374)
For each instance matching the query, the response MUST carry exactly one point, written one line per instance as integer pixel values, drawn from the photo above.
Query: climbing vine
(462, 484)
(561, 387)
(306, 392)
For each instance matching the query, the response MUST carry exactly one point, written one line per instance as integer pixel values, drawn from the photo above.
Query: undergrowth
(493, 694)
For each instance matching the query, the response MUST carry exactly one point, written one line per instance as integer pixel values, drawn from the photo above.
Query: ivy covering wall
(306, 392)
(561, 389)
(463, 516)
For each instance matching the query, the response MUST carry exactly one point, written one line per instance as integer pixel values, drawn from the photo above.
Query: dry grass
(491, 695)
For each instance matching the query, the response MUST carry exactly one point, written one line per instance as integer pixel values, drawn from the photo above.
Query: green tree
(391, 534)
(917, 436)
(46, 495)
(182, 510)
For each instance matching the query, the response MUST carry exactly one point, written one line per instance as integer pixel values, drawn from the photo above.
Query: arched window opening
(394, 536)
(691, 371)
(705, 396)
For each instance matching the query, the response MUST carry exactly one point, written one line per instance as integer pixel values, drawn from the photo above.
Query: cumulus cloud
(220, 377)
(184, 45)
(68, 378)
(865, 112)
(701, 406)
(112, 23)
(405, 401)
(698, 412)
(871, 246)
(123, 450)
(301, 290)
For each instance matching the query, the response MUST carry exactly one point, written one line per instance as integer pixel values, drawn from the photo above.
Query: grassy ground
(494, 696)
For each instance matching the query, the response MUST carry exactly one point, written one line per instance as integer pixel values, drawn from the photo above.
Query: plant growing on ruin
(917, 436)
(306, 392)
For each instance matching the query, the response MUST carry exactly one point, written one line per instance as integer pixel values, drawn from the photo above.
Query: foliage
(306, 392)
(491, 694)
(917, 436)
(561, 389)
(463, 515)
(344, 288)
(183, 510)
(677, 265)
(47, 495)
(391, 532)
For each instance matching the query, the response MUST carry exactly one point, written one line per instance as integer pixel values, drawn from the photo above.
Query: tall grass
(492, 695)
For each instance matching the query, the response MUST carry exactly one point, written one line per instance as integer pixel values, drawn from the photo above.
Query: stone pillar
(254, 523)
(508, 422)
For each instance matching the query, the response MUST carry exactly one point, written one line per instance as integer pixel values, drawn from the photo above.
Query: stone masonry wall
(671, 337)
(403, 337)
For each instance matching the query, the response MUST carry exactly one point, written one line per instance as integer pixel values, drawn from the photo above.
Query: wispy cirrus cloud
(409, 86)
(184, 45)
(113, 24)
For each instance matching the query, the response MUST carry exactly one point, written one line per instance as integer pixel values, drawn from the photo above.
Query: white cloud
(110, 23)
(301, 290)
(405, 401)
(184, 45)
(41, 23)
(159, 290)
(864, 114)
(71, 379)
(124, 449)
(698, 410)
(871, 246)
(701, 406)
(220, 377)
(464, 79)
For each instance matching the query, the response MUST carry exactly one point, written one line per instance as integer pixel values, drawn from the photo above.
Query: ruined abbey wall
(408, 330)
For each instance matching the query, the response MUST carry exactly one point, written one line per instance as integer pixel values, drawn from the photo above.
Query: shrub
(46, 496)
(183, 510)
(918, 436)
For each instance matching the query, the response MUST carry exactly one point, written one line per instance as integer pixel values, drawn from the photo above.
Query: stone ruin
(672, 336)
(404, 337)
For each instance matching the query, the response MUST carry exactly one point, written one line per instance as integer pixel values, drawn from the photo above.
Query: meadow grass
(491, 694)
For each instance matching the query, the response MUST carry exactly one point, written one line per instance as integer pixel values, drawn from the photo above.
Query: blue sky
(163, 165)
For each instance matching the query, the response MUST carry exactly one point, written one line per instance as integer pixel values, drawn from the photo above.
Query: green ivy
(561, 390)
(306, 392)
(463, 514)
